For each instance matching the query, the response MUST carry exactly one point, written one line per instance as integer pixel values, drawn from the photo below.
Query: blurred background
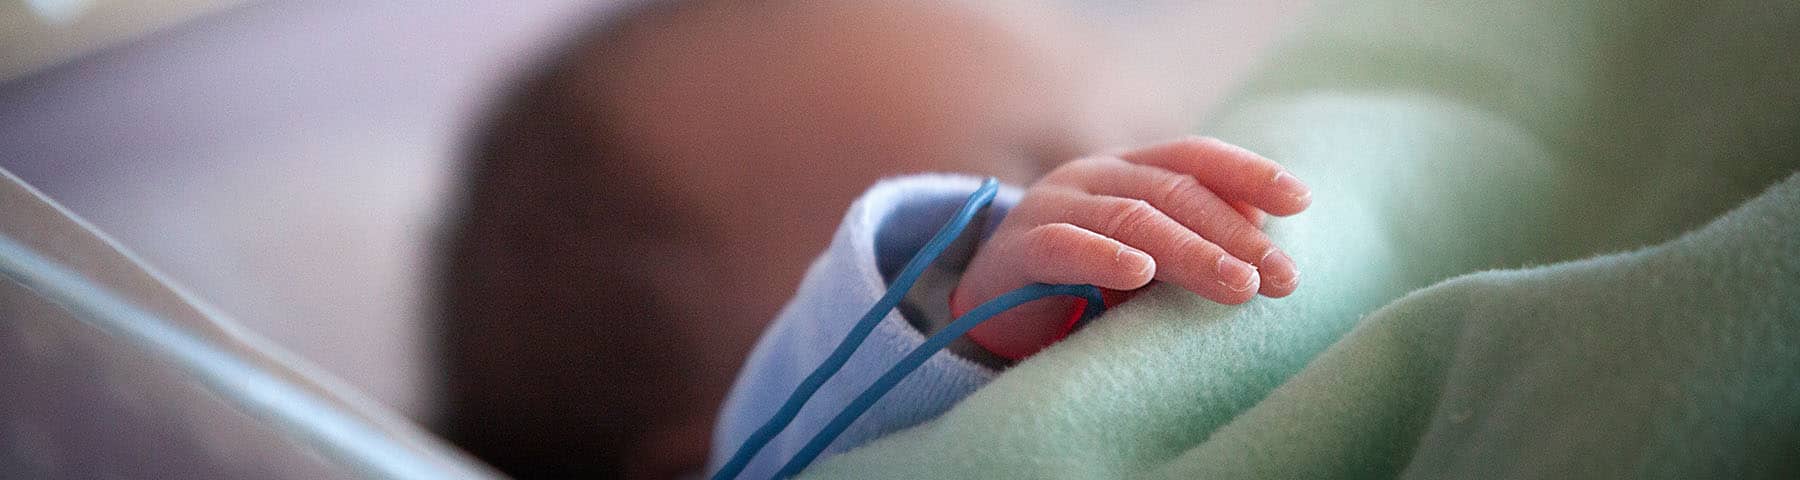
(289, 161)
(282, 159)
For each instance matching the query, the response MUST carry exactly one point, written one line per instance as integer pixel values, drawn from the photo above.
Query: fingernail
(1235, 275)
(1277, 261)
(1294, 280)
(1137, 260)
(1286, 182)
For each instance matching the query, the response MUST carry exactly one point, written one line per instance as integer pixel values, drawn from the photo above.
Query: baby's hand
(1186, 212)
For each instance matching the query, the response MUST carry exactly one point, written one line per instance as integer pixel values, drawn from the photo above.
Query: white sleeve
(878, 236)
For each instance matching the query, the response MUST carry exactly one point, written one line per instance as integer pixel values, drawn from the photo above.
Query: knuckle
(1076, 170)
(1046, 241)
(1175, 188)
(1131, 215)
(1059, 175)
(1195, 253)
(1245, 238)
(1185, 247)
(1193, 262)
(1064, 173)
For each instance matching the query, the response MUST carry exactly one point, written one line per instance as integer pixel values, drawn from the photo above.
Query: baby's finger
(1064, 253)
(1254, 215)
(1231, 171)
(1197, 208)
(1081, 173)
(1182, 256)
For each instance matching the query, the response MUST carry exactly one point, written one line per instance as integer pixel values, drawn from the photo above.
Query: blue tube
(908, 275)
(937, 342)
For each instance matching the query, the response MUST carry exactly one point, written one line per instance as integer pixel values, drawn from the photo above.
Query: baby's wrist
(1045, 326)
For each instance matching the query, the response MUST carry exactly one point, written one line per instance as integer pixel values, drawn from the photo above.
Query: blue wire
(912, 361)
(785, 415)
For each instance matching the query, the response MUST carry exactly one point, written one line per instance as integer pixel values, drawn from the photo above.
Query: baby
(641, 206)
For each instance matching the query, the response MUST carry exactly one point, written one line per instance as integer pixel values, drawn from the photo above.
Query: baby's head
(639, 207)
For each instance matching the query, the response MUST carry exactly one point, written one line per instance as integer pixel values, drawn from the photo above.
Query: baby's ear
(1254, 215)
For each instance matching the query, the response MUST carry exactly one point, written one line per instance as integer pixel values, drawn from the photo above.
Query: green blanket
(1549, 239)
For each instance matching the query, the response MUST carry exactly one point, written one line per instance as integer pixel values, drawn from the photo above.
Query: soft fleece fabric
(1523, 260)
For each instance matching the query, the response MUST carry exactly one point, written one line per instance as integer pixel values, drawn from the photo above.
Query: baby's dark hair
(552, 344)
